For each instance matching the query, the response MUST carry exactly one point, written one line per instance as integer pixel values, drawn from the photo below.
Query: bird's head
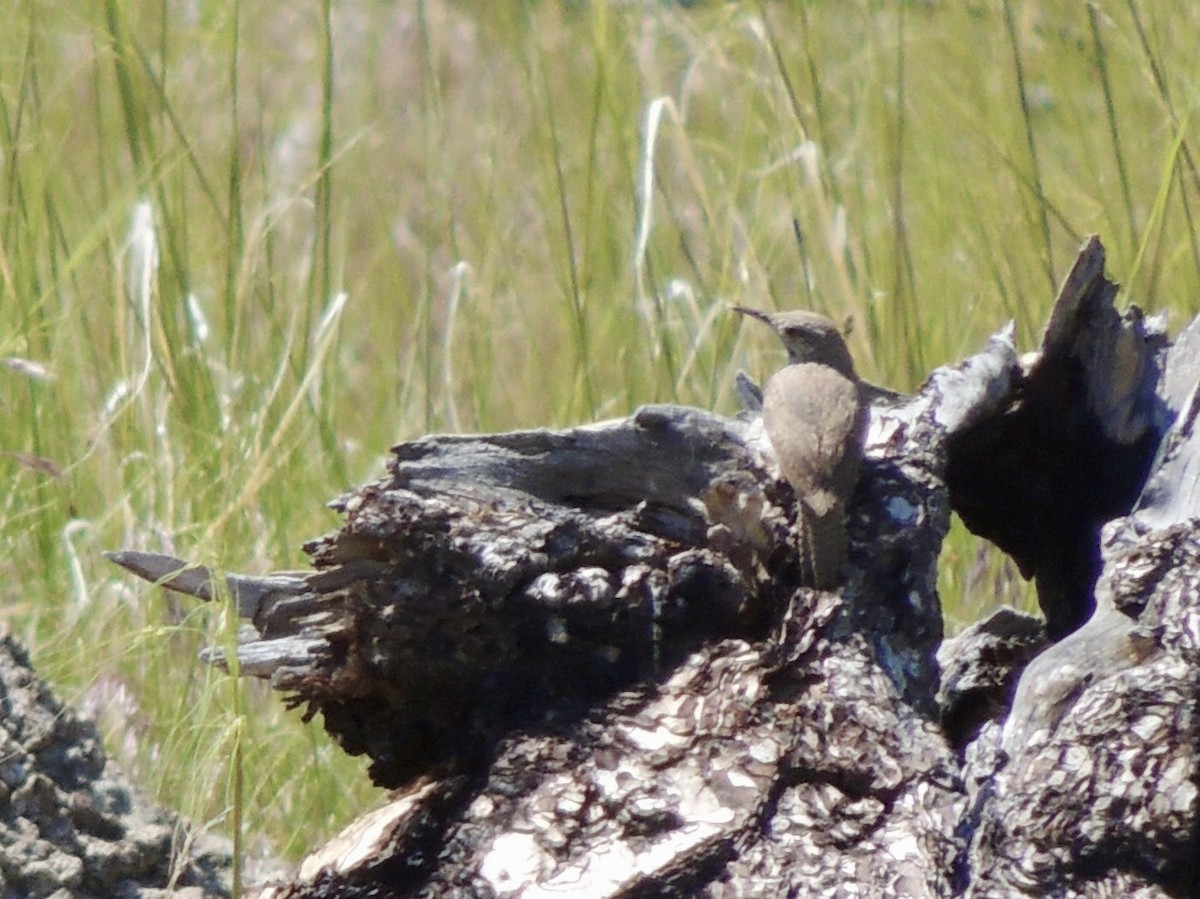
(807, 337)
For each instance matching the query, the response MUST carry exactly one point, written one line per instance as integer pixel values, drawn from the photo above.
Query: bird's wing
(813, 418)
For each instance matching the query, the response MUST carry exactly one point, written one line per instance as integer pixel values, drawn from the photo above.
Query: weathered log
(1092, 782)
(1071, 445)
(589, 660)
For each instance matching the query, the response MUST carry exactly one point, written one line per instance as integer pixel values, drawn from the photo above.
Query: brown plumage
(814, 416)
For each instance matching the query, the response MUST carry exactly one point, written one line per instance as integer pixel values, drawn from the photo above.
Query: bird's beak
(753, 313)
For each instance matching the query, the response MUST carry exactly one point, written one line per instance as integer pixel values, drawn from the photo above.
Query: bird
(815, 417)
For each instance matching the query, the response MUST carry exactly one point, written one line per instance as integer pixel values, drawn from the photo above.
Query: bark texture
(590, 664)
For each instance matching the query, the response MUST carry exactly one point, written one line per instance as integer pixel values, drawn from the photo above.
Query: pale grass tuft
(141, 258)
(28, 367)
(199, 320)
(79, 583)
(654, 113)
(460, 274)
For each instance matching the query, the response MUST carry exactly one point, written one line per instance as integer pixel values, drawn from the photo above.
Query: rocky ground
(71, 826)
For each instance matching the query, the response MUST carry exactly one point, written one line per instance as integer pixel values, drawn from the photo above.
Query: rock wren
(815, 418)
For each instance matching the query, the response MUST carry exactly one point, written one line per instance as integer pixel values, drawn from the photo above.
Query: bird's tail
(823, 545)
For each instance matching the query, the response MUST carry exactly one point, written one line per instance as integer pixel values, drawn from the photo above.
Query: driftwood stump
(587, 662)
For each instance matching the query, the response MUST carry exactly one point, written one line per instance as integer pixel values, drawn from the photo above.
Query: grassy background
(246, 248)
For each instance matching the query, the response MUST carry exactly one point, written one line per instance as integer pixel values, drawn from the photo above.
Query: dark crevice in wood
(1069, 449)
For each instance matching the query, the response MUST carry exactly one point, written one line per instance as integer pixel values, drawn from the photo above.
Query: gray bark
(588, 662)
